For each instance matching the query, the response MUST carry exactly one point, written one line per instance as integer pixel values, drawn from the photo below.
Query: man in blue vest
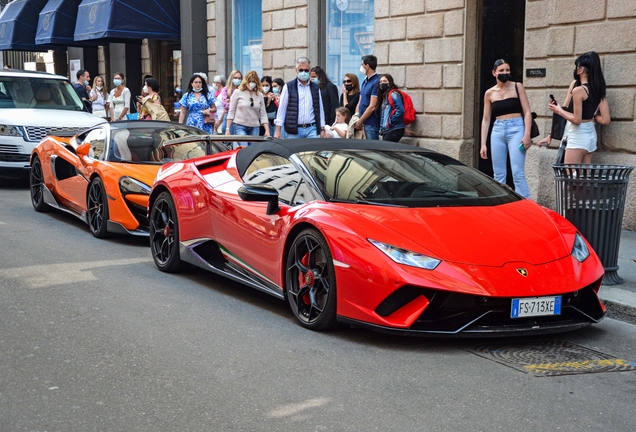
(299, 102)
(368, 101)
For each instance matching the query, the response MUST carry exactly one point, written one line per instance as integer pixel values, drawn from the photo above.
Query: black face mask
(384, 87)
(348, 87)
(575, 75)
(503, 77)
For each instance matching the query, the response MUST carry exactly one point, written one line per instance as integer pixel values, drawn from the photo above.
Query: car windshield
(142, 142)
(38, 93)
(401, 178)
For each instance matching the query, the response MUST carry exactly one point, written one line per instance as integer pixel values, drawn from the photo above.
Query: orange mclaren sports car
(104, 175)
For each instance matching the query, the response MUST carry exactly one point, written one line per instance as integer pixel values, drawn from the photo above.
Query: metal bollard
(592, 197)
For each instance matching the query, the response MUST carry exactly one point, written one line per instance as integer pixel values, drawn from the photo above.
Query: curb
(620, 303)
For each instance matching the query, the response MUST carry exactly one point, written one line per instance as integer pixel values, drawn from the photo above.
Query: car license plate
(535, 306)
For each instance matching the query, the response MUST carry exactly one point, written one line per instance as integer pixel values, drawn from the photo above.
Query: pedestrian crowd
(311, 106)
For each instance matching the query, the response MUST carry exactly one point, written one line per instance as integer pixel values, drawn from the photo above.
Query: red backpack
(409, 110)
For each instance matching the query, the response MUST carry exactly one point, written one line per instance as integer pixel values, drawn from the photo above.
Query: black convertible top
(287, 147)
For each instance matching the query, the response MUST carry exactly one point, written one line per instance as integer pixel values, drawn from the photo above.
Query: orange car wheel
(97, 205)
(164, 234)
(36, 180)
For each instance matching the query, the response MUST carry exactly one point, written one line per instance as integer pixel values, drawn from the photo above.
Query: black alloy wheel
(36, 180)
(164, 234)
(310, 281)
(97, 205)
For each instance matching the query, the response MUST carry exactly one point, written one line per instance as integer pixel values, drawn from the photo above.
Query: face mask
(303, 76)
(265, 89)
(316, 81)
(575, 75)
(215, 87)
(99, 88)
(196, 89)
(117, 81)
(145, 89)
(252, 85)
(348, 87)
(236, 82)
(87, 83)
(276, 90)
(362, 70)
(503, 77)
(384, 87)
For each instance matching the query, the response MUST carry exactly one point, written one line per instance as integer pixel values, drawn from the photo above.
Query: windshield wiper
(362, 201)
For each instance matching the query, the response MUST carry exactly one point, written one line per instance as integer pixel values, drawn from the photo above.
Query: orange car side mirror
(83, 149)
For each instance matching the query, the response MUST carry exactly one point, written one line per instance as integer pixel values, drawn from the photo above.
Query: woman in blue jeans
(247, 108)
(508, 103)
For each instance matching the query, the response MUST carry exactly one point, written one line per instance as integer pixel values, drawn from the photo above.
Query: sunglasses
(303, 70)
(346, 82)
(251, 102)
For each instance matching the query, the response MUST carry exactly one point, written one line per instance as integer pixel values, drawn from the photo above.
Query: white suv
(32, 104)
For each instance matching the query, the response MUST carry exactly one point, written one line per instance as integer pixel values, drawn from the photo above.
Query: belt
(306, 125)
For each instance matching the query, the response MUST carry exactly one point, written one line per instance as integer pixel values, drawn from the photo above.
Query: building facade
(441, 52)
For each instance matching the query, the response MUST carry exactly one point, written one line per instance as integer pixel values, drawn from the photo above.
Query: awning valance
(128, 19)
(18, 25)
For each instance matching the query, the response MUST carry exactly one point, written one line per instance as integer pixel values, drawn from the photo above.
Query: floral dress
(195, 109)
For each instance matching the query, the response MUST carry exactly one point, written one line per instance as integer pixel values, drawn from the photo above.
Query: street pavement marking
(296, 408)
(585, 365)
(45, 275)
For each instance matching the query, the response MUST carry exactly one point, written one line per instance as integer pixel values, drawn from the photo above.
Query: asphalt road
(94, 337)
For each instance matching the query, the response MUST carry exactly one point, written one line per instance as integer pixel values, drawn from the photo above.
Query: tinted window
(280, 173)
(403, 178)
(44, 93)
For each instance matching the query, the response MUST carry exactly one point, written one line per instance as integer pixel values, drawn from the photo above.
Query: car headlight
(14, 131)
(580, 250)
(130, 185)
(403, 256)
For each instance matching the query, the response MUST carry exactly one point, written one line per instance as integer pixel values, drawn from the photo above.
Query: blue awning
(18, 25)
(128, 19)
(56, 24)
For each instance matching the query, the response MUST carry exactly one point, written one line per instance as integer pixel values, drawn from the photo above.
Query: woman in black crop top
(590, 104)
(507, 103)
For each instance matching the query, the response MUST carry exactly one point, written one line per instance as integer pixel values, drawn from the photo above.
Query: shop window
(247, 35)
(349, 37)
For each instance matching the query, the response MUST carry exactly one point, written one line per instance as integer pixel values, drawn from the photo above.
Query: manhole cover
(553, 358)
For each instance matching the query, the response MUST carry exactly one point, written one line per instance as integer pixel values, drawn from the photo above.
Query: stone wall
(285, 36)
(211, 41)
(557, 32)
(423, 46)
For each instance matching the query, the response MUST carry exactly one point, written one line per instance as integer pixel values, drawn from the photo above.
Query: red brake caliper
(306, 279)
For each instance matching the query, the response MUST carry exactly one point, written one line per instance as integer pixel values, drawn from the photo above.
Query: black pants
(395, 135)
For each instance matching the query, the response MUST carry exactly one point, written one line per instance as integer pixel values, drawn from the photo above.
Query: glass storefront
(247, 28)
(349, 37)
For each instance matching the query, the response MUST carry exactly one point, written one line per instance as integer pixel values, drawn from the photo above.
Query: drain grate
(553, 358)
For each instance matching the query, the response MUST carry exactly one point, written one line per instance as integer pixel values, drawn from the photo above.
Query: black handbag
(558, 126)
(534, 129)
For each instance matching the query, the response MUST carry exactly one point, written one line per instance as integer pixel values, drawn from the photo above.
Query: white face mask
(145, 89)
(265, 89)
(99, 88)
(252, 85)
(362, 71)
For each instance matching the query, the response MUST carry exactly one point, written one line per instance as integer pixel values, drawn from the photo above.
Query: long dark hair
(382, 95)
(596, 80)
(322, 76)
(204, 87)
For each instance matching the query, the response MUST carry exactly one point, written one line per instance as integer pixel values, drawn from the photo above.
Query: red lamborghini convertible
(389, 236)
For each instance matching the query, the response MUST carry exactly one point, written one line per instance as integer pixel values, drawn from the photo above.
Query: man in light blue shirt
(298, 104)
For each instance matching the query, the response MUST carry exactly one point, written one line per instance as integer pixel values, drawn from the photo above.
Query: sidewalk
(620, 300)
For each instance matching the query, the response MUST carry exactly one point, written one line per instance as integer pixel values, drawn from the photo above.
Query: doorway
(501, 35)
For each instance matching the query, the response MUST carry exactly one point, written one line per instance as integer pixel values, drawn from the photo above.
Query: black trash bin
(592, 197)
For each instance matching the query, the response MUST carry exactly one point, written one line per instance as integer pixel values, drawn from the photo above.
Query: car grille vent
(36, 133)
(6, 148)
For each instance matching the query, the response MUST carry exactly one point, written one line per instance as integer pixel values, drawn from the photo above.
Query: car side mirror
(261, 193)
(83, 150)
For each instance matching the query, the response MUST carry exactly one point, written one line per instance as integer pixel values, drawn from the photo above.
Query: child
(339, 128)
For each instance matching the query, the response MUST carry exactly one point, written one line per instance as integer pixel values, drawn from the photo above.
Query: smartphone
(522, 148)
(553, 99)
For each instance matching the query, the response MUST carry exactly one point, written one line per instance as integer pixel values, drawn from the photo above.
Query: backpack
(409, 110)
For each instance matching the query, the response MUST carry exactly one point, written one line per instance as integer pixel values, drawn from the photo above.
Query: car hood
(52, 118)
(491, 235)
